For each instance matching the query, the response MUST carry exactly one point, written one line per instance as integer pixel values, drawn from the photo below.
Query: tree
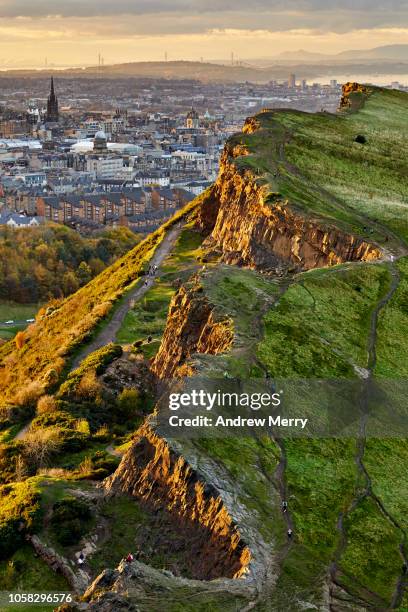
(70, 283)
(84, 273)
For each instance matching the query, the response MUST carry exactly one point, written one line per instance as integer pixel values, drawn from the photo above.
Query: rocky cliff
(192, 327)
(153, 472)
(346, 102)
(251, 231)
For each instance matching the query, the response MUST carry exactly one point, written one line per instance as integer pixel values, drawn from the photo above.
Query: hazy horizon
(36, 34)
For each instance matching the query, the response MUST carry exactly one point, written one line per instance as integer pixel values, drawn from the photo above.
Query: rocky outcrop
(153, 589)
(192, 327)
(59, 564)
(351, 88)
(155, 473)
(254, 230)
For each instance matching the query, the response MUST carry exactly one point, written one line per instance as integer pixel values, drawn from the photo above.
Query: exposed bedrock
(252, 232)
(155, 473)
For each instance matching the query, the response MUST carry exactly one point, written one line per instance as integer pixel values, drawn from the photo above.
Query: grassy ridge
(318, 328)
(314, 162)
(51, 341)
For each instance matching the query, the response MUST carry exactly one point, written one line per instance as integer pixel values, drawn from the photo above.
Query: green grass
(313, 161)
(251, 463)
(242, 296)
(392, 342)
(372, 554)
(319, 327)
(26, 572)
(124, 516)
(148, 316)
(388, 484)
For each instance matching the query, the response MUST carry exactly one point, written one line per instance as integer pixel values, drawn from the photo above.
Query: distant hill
(302, 63)
(177, 70)
(396, 53)
(389, 52)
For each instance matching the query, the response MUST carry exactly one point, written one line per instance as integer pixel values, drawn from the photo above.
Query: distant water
(375, 79)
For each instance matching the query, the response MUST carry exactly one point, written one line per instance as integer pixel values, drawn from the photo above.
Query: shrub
(97, 467)
(89, 386)
(82, 426)
(41, 444)
(28, 395)
(94, 364)
(102, 434)
(20, 513)
(85, 468)
(19, 339)
(46, 404)
(70, 520)
(129, 403)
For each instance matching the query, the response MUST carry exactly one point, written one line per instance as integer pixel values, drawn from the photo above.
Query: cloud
(193, 16)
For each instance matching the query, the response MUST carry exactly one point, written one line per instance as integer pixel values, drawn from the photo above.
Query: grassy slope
(327, 174)
(321, 474)
(325, 336)
(148, 317)
(51, 341)
(320, 328)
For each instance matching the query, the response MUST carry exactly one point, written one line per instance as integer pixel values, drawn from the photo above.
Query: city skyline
(75, 33)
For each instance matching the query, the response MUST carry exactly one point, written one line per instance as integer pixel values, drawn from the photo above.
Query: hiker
(146, 282)
(149, 339)
(405, 568)
(290, 533)
(129, 558)
(284, 506)
(81, 558)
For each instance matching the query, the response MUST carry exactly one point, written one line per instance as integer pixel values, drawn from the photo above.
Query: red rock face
(152, 472)
(192, 327)
(252, 233)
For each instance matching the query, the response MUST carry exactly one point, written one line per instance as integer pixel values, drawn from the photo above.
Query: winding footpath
(108, 333)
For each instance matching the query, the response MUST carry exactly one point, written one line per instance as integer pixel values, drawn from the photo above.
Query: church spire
(52, 105)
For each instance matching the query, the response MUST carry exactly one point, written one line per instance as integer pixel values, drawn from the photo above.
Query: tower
(52, 105)
(192, 119)
(100, 143)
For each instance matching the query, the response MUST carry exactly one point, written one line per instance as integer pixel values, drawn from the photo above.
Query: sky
(74, 32)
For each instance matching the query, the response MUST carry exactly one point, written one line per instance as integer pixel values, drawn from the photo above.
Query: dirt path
(112, 451)
(21, 434)
(109, 331)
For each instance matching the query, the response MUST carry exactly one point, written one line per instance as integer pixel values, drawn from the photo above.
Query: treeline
(37, 264)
